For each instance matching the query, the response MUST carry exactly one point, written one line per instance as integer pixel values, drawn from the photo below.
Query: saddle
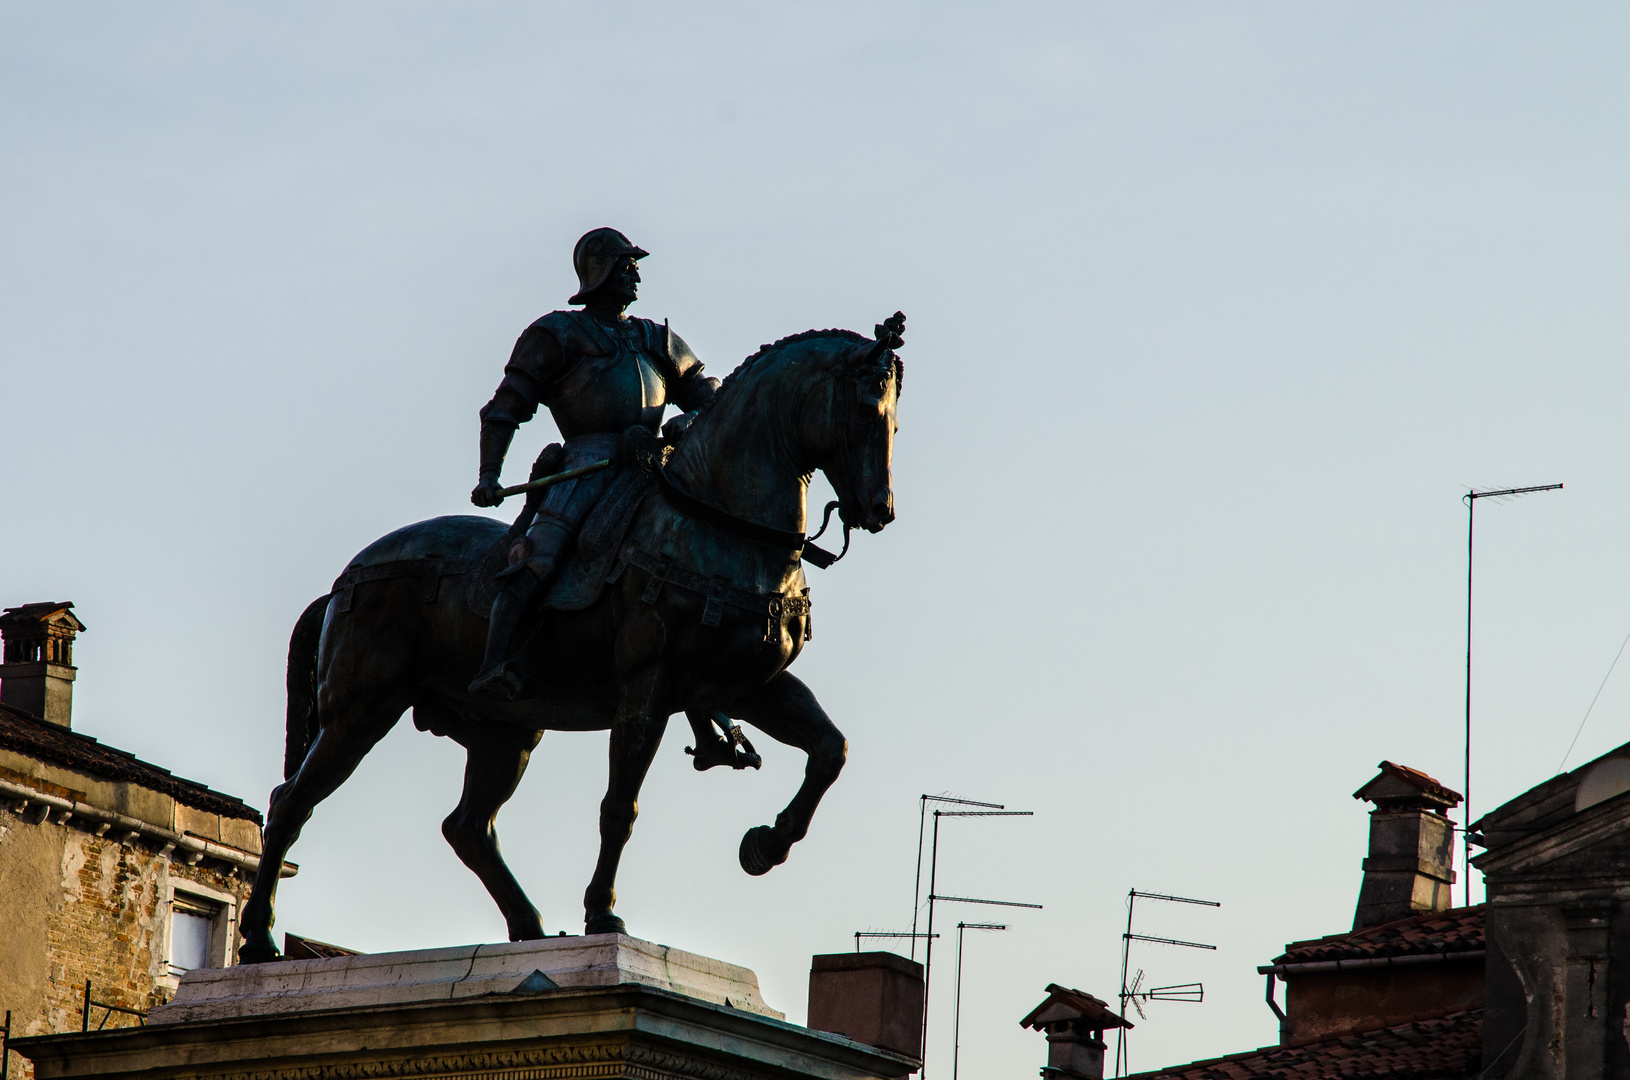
(583, 572)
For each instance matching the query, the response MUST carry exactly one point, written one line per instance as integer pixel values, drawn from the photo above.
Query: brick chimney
(37, 675)
(874, 998)
(1075, 1023)
(1410, 867)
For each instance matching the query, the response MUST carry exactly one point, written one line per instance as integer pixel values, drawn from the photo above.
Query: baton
(558, 478)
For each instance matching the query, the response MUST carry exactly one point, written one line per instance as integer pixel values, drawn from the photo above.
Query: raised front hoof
(498, 684)
(258, 949)
(760, 851)
(604, 923)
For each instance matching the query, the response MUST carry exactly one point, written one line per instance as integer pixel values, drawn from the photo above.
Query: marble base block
(460, 972)
(608, 1007)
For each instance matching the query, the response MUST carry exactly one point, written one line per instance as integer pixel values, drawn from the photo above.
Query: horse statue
(702, 610)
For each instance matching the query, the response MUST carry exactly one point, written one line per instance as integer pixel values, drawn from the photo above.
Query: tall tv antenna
(922, 821)
(928, 951)
(1133, 992)
(1470, 499)
(956, 1024)
(987, 809)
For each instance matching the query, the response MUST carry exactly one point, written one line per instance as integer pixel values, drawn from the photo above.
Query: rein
(796, 542)
(802, 546)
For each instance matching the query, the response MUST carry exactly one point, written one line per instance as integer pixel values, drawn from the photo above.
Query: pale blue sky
(1214, 309)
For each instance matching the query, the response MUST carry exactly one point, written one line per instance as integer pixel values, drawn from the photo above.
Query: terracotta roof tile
(1444, 1046)
(1451, 931)
(1384, 787)
(1094, 1011)
(28, 734)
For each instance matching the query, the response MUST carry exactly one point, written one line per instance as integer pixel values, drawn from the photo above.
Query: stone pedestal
(584, 1008)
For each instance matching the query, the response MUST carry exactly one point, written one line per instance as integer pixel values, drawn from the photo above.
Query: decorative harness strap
(428, 571)
(775, 608)
(796, 542)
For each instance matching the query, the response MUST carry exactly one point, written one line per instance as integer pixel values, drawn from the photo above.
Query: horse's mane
(765, 350)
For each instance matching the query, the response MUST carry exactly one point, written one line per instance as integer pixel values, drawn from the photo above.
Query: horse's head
(860, 439)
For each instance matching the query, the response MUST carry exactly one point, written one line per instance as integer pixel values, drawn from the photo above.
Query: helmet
(594, 257)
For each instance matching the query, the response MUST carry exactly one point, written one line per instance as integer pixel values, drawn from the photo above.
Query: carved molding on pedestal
(592, 1061)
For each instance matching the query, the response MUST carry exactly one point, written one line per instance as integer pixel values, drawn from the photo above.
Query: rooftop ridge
(26, 733)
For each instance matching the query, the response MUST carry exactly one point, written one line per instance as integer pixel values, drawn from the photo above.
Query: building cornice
(36, 807)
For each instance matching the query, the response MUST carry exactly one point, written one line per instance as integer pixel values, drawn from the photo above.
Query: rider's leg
(711, 747)
(521, 584)
(495, 681)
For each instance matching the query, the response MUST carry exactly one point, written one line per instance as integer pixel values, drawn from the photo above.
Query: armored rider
(599, 372)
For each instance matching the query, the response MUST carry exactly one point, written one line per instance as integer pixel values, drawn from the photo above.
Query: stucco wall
(78, 906)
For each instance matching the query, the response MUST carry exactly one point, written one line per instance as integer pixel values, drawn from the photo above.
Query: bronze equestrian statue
(672, 582)
(600, 372)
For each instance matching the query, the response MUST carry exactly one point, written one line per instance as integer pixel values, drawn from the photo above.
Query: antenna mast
(1470, 498)
(1193, 992)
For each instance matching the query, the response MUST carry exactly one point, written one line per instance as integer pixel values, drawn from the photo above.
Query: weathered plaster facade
(99, 852)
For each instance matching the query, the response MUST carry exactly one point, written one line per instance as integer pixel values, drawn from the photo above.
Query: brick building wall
(86, 907)
(112, 870)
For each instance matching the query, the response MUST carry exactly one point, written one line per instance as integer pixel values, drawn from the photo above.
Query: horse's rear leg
(787, 712)
(338, 749)
(498, 755)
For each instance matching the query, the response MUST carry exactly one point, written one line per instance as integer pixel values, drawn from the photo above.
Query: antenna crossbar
(961, 802)
(1168, 941)
(1512, 491)
(984, 813)
(975, 900)
(887, 934)
(1174, 899)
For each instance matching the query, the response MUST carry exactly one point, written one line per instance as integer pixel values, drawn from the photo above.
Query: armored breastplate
(614, 391)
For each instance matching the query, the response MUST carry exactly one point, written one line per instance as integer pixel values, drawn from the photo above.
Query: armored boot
(495, 681)
(712, 748)
(532, 563)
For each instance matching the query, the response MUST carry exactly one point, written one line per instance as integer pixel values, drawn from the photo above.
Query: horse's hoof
(530, 931)
(604, 923)
(258, 949)
(758, 851)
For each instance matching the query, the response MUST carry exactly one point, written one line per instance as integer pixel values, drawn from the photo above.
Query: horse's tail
(302, 682)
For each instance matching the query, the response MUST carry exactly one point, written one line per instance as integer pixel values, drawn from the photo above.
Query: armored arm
(536, 358)
(687, 386)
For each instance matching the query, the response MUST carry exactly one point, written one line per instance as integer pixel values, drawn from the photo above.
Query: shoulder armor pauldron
(577, 333)
(679, 354)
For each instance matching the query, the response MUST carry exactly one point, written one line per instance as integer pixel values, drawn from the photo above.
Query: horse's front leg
(787, 712)
(635, 736)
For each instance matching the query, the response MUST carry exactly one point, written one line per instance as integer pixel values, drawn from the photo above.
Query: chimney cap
(1399, 787)
(1065, 1004)
(58, 614)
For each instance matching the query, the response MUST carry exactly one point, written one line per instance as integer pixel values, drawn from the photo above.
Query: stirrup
(496, 683)
(709, 754)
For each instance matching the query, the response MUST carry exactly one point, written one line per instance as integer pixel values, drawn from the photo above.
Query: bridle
(802, 546)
